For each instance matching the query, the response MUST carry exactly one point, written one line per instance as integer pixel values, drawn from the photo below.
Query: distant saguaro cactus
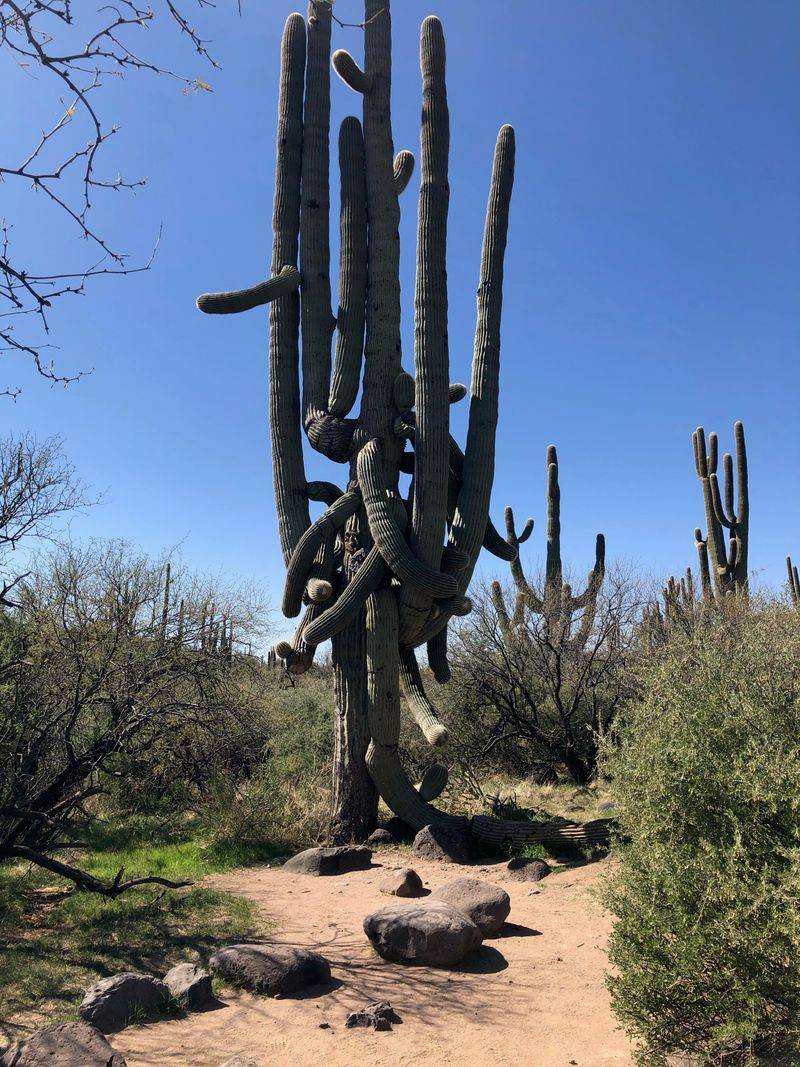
(555, 603)
(727, 572)
(793, 582)
(373, 573)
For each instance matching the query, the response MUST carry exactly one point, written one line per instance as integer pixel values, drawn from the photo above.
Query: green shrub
(706, 893)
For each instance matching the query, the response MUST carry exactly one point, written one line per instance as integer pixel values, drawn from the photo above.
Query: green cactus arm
(706, 464)
(503, 619)
(316, 318)
(492, 540)
(794, 582)
(743, 508)
(352, 270)
(284, 385)
(350, 72)
(437, 656)
(287, 280)
(524, 590)
(382, 344)
(298, 654)
(387, 534)
(345, 609)
(553, 567)
(402, 169)
(323, 530)
(433, 729)
(472, 512)
(434, 782)
(729, 522)
(403, 391)
(431, 355)
(323, 492)
(595, 579)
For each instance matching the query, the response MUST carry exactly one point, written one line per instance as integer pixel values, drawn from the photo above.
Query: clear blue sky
(653, 272)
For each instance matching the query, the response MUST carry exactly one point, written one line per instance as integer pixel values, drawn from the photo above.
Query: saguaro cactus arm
(728, 565)
(793, 582)
(286, 281)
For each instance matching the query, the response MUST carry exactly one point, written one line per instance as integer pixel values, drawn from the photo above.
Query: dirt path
(532, 997)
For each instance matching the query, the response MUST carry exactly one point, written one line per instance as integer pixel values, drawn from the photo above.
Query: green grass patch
(55, 941)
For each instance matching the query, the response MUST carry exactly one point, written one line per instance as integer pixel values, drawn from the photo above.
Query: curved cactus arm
(472, 512)
(322, 531)
(706, 466)
(350, 72)
(402, 169)
(729, 522)
(525, 591)
(333, 620)
(287, 280)
(437, 656)
(316, 318)
(284, 384)
(387, 534)
(596, 576)
(323, 492)
(298, 654)
(352, 270)
(434, 782)
(433, 729)
(492, 541)
(506, 628)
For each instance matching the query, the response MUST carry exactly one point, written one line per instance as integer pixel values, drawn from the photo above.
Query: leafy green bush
(706, 893)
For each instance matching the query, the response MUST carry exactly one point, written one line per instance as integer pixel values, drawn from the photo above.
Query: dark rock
(400, 830)
(447, 843)
(403, 883)
(522, 869)
(381, 837)
(486, 904)
(379, 1016)
(270, 969)
(112, 1003)
(190, 985)
(74, 1044)
(435, 934)
(337, 860)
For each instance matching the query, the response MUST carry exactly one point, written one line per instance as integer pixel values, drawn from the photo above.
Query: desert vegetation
(155, 737)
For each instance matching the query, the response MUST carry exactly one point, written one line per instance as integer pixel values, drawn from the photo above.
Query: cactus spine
(390, 581)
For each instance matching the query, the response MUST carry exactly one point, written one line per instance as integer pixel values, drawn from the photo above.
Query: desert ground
(533, 995)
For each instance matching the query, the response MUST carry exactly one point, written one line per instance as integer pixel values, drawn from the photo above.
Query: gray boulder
(337, 860)
(445, 843)
(190, 985)
(403, 883)
(239, 1061)
(381, 837)
(436, 934)
(522, 869)
(74, 1044)
(273, 970)
(112, 1003)
(486, 904)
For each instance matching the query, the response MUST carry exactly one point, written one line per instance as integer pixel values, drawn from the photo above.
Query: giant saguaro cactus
(727, 572)
(378, 574)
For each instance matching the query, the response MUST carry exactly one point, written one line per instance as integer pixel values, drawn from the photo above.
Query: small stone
(436, 934)
(340, 859)
(445, 843)
(524, 869)
(113, 1003)
(403, 883)
(273, 970)
(486, 904)
(75, 1044)
(379, 1016)
(239, 1061)
(190, 985)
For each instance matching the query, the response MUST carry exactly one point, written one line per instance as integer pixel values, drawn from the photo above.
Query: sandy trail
(533, 996)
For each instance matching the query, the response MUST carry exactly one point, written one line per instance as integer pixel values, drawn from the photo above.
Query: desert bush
(706, 893)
